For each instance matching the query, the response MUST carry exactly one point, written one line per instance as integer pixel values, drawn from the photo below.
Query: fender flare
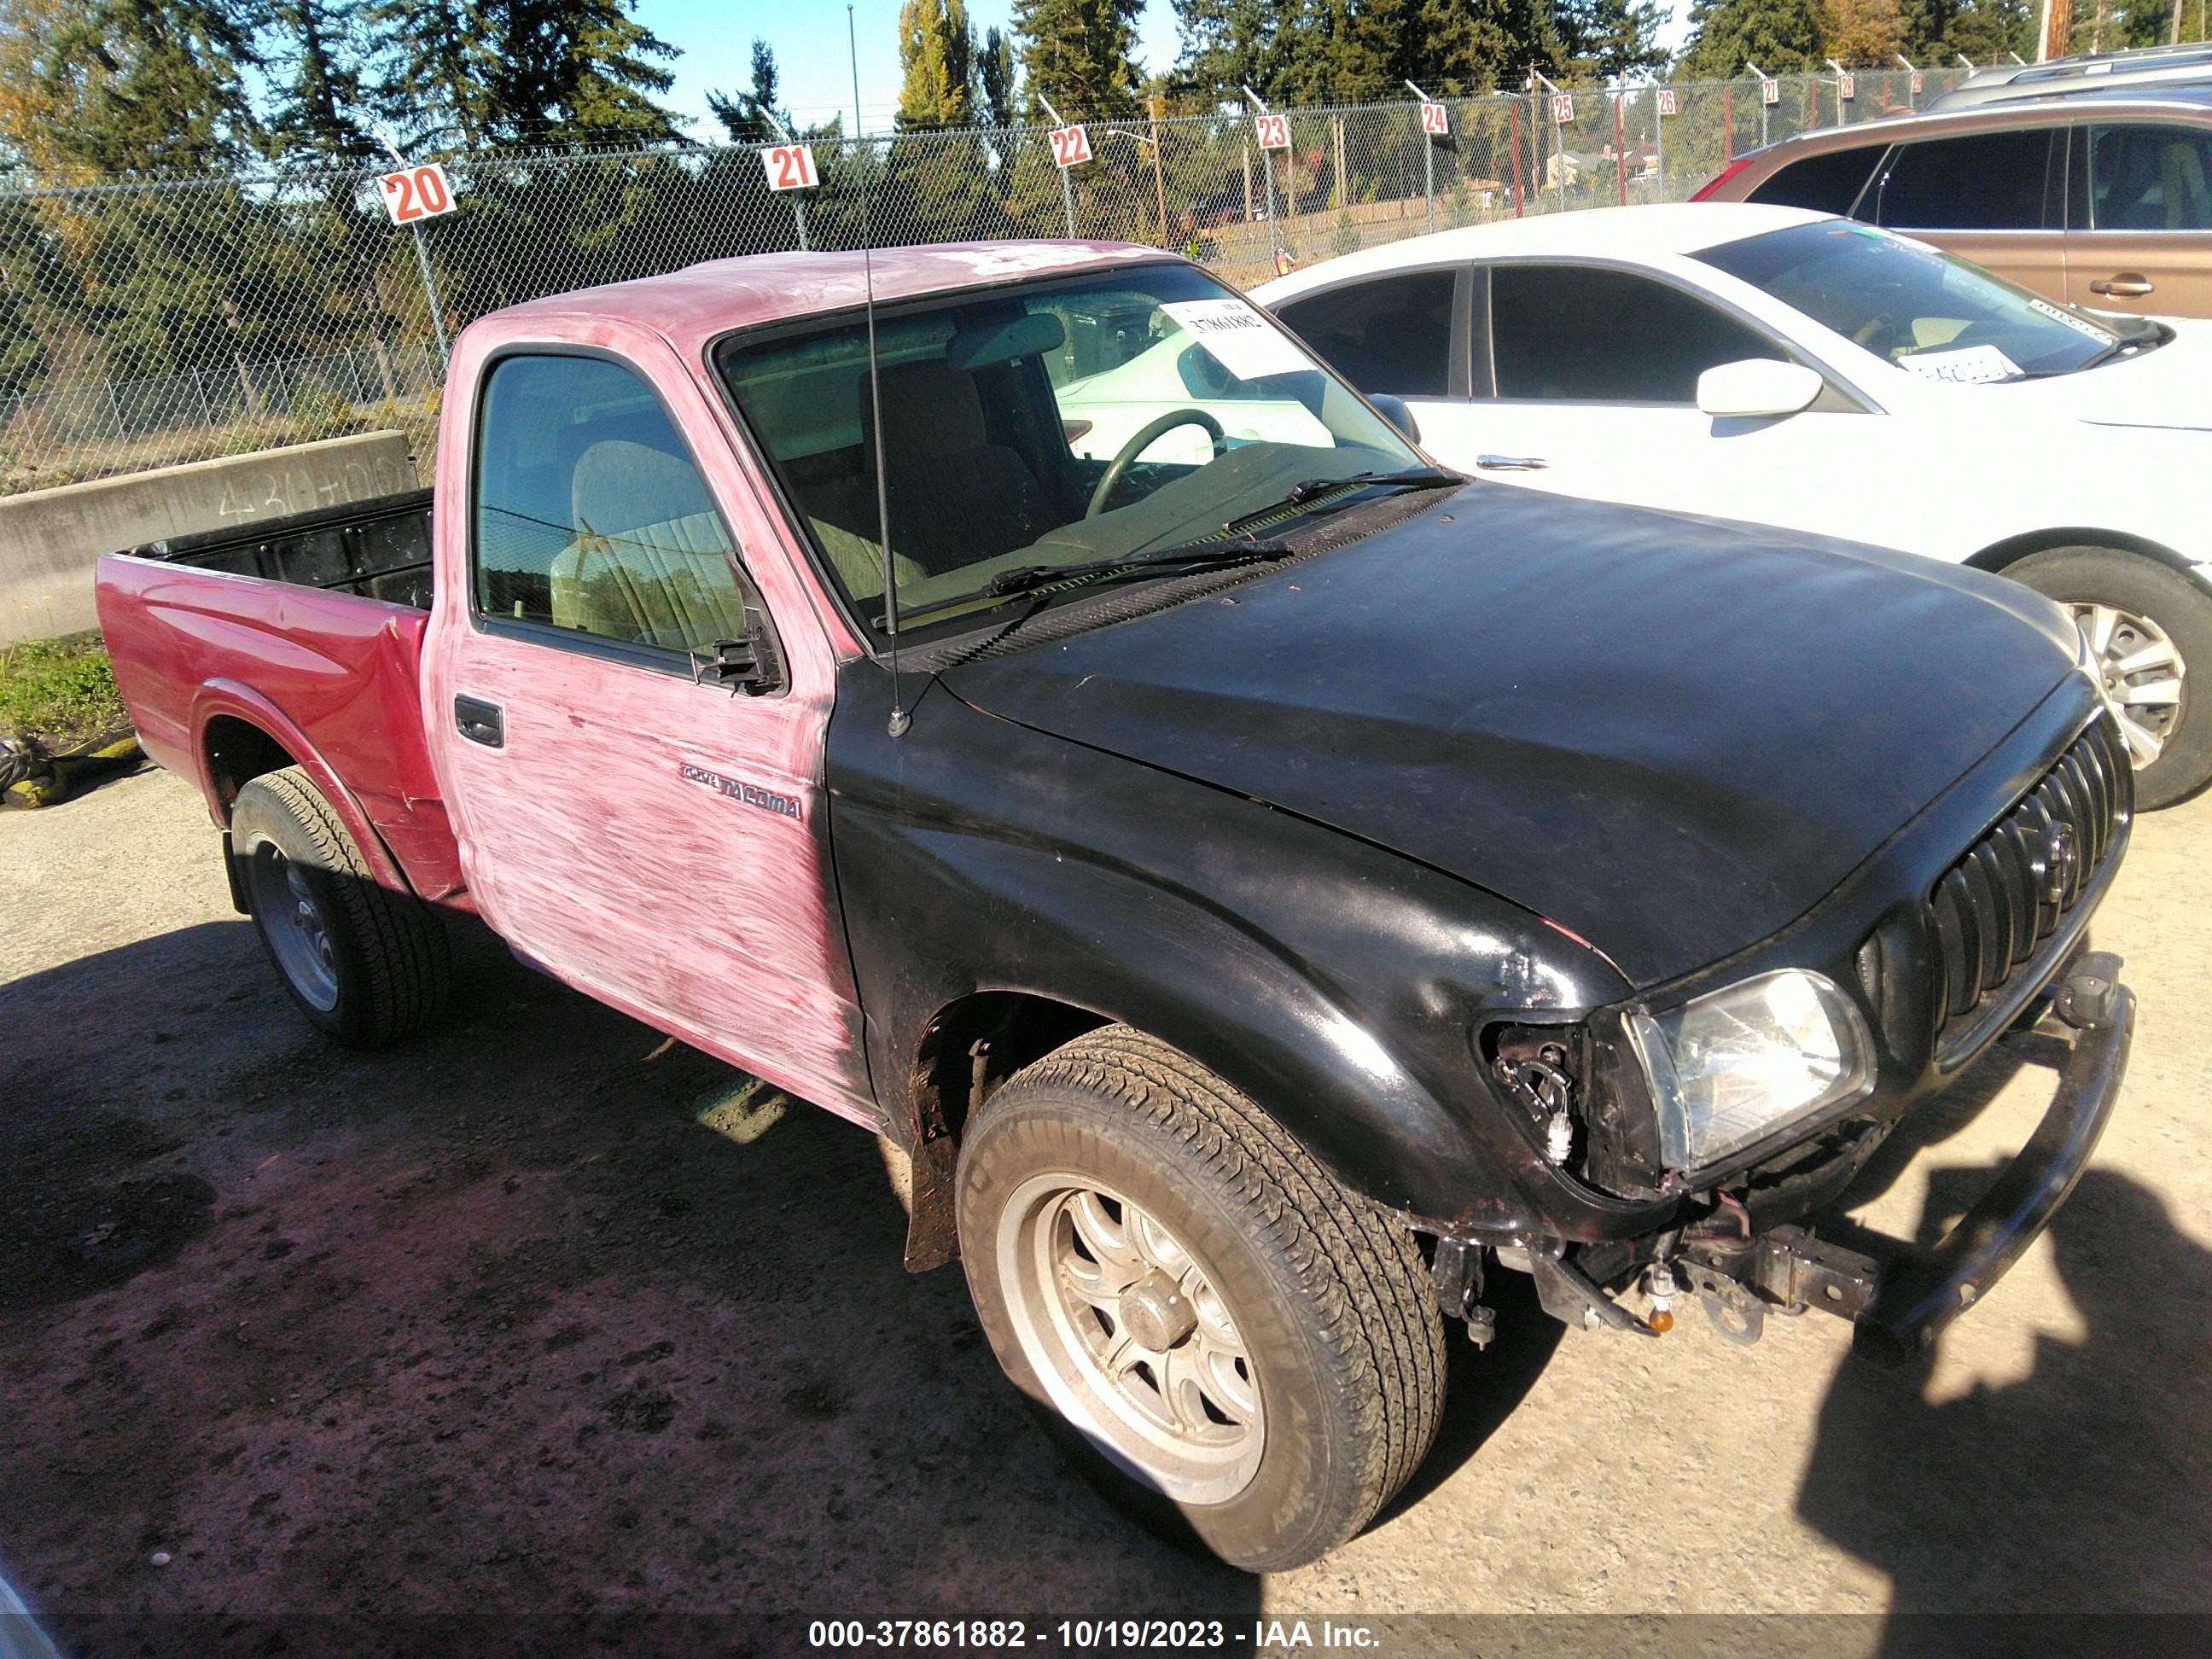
(219, 698)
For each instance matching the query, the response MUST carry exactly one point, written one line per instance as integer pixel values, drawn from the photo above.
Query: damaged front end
(1741, 1242)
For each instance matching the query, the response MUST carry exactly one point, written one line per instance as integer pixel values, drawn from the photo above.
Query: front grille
(2019, 883)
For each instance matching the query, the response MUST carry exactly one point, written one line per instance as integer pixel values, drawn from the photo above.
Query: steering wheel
(1878, 334)
(1143, 441)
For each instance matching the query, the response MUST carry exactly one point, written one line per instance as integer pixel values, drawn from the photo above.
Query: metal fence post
(1267, 166)
(200, 389)
(1514, 109)
(430, 292)
(1428, 158)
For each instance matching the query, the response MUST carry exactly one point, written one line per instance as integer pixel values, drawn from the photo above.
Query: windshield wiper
(1194, 555)
(1308, 489)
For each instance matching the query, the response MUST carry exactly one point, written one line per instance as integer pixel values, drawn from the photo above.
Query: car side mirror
(1757, 388)
(1394, 410)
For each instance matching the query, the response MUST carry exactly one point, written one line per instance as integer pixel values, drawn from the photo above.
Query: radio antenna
(899, 718)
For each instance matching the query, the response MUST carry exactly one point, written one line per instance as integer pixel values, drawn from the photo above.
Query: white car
(1794, 369)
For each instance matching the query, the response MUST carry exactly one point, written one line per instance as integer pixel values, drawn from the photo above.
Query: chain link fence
(146, 324)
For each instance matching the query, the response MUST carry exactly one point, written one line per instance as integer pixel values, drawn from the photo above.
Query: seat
(2186, 193)
(649, 562)
(956, 497)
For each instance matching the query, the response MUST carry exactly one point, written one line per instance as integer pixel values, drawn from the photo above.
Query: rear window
(1826, 183)
(1983, 181)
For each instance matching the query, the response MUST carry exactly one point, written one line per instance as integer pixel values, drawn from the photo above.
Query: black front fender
(1335, 983)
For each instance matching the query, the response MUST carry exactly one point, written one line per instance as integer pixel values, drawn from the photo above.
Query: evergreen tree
(1602, 39)
(1338, 52)
(1076, 53)
(996, 71)
(1862, 33)
(320, 102)
(473, 72)
(126, 85)
(1783, 37)
(753, 117)
(937, 64)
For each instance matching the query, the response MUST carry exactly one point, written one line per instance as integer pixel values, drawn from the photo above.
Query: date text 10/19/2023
(1087, 1634)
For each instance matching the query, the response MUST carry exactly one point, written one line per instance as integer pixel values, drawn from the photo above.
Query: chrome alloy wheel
(292, 917)
(2142, 674)
(1130, 1338)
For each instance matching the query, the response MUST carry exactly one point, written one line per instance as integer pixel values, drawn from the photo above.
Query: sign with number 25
(790, 167)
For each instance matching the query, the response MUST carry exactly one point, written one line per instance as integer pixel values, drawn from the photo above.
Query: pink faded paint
(586, 845)
(331, 678)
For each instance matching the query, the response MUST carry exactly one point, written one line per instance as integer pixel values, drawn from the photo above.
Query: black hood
(1669, 735)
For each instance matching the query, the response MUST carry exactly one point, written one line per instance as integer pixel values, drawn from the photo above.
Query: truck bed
(309, 631)
(377, 549)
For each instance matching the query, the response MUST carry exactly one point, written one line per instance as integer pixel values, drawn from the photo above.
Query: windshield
(1929, 312)
(1003, 414)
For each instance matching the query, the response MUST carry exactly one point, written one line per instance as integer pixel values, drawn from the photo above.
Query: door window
(1392, 335)
(2149, 177)
(1579, 334)
(590, 514)
(1983, 181)
(1829, 182)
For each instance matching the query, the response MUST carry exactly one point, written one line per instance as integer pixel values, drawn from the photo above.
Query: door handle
(2126, 285)
(1511, 463)
(480, 722)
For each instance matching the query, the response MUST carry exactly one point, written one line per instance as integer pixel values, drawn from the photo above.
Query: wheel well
(2013, 548)
(237, 751)
(976, 1043)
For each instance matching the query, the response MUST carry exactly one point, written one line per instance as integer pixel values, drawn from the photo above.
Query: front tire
(367, 966)
(1224, 1337)
(2148, 624)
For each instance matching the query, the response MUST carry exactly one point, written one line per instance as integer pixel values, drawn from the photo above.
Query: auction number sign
(1847, 87)
(1915, 84)
(1563, 107)
(415, 194)
(1071, 146)
(790, 167)
(1273, 131)
(1436, 118)
(1666, 100)
(1770, 92)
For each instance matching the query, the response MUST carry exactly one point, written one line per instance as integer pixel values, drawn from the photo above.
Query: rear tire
(2117, 592)
(368, 966)
(1288, 1369)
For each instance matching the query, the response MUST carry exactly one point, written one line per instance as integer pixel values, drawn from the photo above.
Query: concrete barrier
(49, 540)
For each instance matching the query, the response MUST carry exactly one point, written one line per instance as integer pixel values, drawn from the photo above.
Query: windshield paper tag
(1969, 366)
(1237, 338)
(2079, 325)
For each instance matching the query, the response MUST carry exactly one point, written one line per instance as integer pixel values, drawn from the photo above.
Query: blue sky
(809, 38)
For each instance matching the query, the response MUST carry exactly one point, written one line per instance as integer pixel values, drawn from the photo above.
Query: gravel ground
(487, 1325)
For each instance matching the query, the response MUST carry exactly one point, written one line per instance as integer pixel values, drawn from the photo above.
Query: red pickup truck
(1263, 886)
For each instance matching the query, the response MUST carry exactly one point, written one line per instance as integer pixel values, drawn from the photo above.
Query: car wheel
(1228, 1343)
(2146, 624)
(367, 966)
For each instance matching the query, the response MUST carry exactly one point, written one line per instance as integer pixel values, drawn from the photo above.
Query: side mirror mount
(1394, 410)
(1757, 388)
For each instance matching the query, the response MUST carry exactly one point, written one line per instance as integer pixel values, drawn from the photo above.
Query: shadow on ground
(486, 1324)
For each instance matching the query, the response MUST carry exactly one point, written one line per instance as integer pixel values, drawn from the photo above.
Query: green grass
(61, 691)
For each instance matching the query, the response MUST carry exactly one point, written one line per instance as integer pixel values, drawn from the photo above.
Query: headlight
(1732, 1068)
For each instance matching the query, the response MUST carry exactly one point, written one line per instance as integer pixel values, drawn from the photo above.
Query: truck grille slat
(2011, 890)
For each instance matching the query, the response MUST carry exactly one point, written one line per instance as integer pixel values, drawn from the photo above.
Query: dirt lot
(487, 1325)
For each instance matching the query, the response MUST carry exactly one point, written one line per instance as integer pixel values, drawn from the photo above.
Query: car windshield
(1004, 413)
(1929, 312)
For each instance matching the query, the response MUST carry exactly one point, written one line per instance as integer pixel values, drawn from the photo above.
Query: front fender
(1337, 984)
